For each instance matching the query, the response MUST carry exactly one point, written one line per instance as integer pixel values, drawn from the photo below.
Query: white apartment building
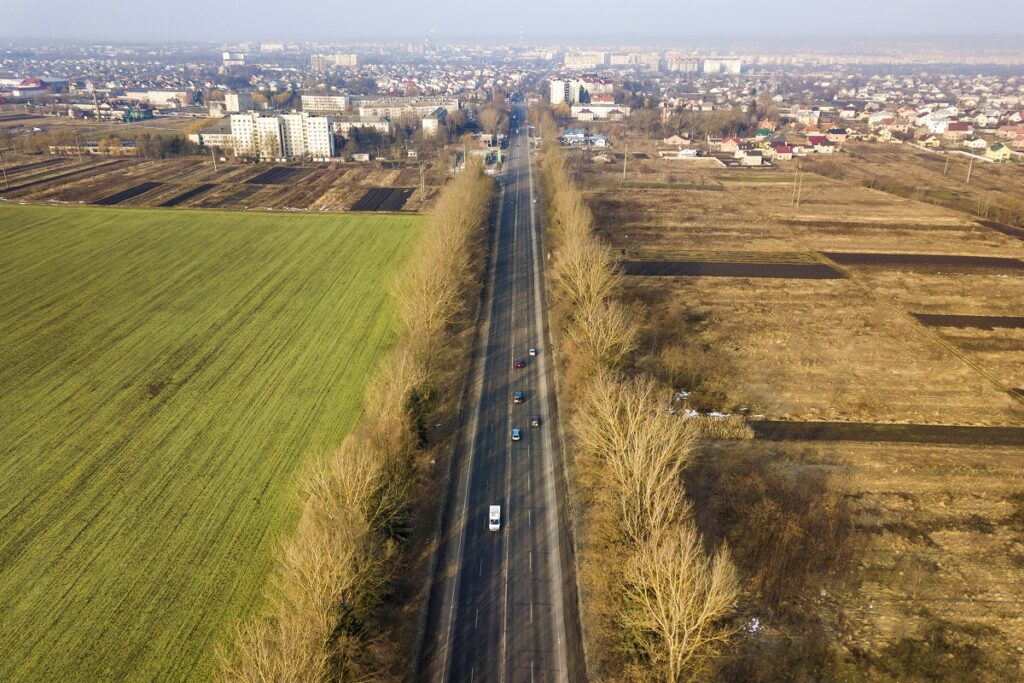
(332, 103)
(161, 98)
(722, 65)
(233, 59)
(235, 102)
(323, 62)
(599, 112)
(566, 91)
(344, 124)
(396, 108)
(682, 64)
(585, 60)
(285, 135)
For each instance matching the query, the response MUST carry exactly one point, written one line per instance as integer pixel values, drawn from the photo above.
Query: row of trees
(675, 597)
(338, 566)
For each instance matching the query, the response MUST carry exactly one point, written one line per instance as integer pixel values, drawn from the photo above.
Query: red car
(519, 363)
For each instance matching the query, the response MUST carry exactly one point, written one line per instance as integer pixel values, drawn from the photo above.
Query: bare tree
(677, 600)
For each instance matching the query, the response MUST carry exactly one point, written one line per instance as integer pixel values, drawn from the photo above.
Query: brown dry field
(926, 172)
(334, 187)
(937, 536)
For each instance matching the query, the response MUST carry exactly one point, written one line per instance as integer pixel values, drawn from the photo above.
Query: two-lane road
(503, 604)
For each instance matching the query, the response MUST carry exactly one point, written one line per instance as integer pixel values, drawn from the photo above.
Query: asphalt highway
(503, 603)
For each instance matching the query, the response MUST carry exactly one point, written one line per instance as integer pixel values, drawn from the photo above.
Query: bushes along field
(165, 375)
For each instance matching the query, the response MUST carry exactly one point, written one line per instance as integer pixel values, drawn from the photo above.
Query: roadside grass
(165, 374)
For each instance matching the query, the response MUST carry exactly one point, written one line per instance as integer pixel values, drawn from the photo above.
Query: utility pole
(969, 168)
(3, 167)
(625, 157)
(214, 157)
(422, 186)
(946, 169)
(78, 145)
(799, 188)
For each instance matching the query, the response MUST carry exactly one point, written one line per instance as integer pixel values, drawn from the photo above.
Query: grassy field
(165, 375)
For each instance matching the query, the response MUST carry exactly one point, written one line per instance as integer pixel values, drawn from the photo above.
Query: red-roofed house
(958, 131)
(729, 144)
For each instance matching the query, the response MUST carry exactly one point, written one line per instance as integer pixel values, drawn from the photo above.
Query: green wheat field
(164, 374)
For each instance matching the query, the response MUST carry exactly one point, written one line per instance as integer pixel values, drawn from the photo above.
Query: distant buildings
(585, 60)
(235, 102)
(161, 98)
(692, 64)
(324, 62)
(232, 59)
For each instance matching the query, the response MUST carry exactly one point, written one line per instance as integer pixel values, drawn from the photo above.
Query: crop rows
(165, 374)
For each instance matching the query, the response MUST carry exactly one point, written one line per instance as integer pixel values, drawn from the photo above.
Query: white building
(398, 108)
(344, 124)
(585, 60)
(331, 103)
(161, 98)
(675, 63)
(431, 124)
(599, 112)
(566, 91)
(722, 65)
(284, 135)
(233, 59)
(235, 102)
(324, 62)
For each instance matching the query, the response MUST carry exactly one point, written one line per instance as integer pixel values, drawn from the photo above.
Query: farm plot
(384, 199)
(811, 271)
(279, 175)
(187, 195)
(166, 374)
(125, 195)
(874, 516)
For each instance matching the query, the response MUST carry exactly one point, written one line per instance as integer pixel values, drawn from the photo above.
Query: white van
(494, 518)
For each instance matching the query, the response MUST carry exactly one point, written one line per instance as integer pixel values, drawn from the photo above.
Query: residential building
(592, 112)
(235, 102)
(957, 131)
(323, 102)
(324, 62)
(585, 60)
(398, 108)
(722, 65)
(432, 124)
(282, 135)
(998, 152)
(233, 59)
(675, 63)
(344, 124)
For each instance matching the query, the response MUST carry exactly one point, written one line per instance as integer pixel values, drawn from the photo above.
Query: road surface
(503, 604)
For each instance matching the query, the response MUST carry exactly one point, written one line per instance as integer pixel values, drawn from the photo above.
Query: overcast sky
(270, 20)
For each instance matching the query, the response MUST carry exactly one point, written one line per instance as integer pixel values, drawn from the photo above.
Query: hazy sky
(268, 20)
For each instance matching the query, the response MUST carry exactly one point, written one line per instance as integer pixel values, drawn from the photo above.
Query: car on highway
(494, 518)
(535, 420)
(516, 434)
(517, 397)
(533, 351)
(519, 363)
